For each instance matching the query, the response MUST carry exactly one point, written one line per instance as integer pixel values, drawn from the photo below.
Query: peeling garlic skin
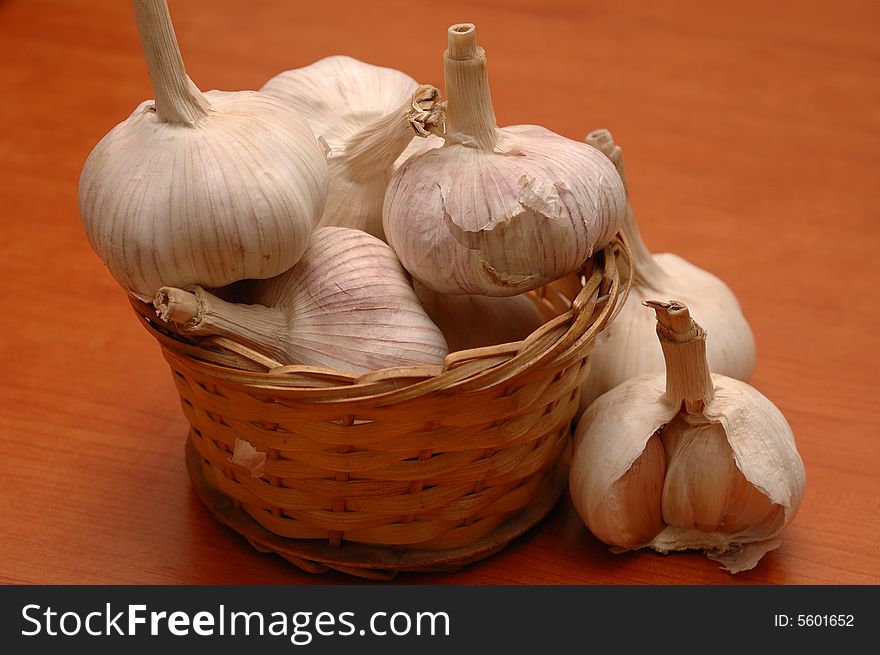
(729, 472)
(705, 490)
(463, 220)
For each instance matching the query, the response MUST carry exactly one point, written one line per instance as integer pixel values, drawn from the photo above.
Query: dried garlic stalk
(626, 348)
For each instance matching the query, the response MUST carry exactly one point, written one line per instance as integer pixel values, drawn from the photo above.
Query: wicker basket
(419, 468)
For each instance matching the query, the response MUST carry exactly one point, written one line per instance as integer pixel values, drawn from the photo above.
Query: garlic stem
(178, 100)
(688, 379)
(195, 311)
(177, 305)
(470, 118)
(376, 147)
(646, 270)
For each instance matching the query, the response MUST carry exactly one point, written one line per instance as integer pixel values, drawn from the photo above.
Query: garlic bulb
(200, 188)
(346, 305)
(497, 211)
(626, 348)
(689, 460)
(368, 116)
(477, 321)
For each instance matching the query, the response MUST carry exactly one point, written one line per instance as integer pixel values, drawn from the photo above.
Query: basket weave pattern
(429, 458)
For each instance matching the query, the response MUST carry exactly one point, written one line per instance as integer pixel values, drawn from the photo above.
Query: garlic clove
(626, 348)
(610, 437)
(704, 489)
(368, 116)
(494, 211)
(199, 188)
(477, 321)
(346, 305)
(629, 515)
(698, 475)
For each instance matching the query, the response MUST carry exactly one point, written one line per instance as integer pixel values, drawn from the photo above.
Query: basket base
(364, 561)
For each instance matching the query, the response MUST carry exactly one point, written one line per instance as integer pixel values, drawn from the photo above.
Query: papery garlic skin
(247, 456)
(495, 211)
(627, 347)
(171, 205)
(346, 305)
(730, 473)
(200, 188)
(478, 321)
(369, 117)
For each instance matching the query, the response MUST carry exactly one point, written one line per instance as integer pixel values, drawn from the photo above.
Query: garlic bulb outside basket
(346, 305)
(686, 460)
(200, 188)
(368, 116)
(627, 348)
(495, 211)
(476, 321)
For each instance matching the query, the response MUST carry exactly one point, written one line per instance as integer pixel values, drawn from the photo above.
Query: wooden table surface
(752, 140)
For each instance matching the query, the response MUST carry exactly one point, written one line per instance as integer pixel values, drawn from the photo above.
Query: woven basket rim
(600, 298)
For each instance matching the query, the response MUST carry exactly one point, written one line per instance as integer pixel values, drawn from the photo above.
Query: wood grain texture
(752, 140)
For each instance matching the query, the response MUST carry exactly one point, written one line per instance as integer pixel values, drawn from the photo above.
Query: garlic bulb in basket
(200, 188)
(627, 348)
(689, 460)
(346, 305)
(477, 321)
(495, 211)
(368, 116)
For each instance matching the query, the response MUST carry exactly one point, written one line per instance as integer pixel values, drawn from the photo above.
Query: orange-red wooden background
(752, 140)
